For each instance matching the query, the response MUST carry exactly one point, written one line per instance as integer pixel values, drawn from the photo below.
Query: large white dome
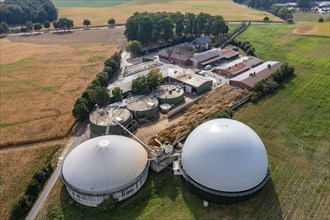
(104, 163)
(225, 155)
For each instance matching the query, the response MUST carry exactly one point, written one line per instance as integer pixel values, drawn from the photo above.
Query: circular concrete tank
(100, 120)
(169, 94)
(143, 108)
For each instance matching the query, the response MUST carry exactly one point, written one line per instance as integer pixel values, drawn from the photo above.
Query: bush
(80, 110)
(266, 19)
(55, 213)
(108, 70)
(135, 47)
(3, 28)
(116, 57)
(154, 78)
(140, 85)
(321, 20)
(117, 93)
(33, 189)
(103, 78)
(108, 204)
(113, 64)
(89, 97)
(271, 84)
(20, 207)
(102, 96)
(145, 84)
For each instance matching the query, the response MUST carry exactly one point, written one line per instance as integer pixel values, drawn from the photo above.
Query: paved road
(81, 136)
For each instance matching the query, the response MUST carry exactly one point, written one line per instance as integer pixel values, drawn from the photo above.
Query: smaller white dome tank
(225, 157)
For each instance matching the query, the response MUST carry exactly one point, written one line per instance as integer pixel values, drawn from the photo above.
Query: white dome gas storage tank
(105, 166)
(225, 157)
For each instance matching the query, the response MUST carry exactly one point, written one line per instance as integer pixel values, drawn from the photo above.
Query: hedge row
(246, 46)
(272, 83)
(22, 206)
(97, 92)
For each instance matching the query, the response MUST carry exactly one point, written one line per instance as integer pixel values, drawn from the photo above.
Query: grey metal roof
(206, 55)
(104, 163)
(202, 40)
(225, 155)
(187, 77)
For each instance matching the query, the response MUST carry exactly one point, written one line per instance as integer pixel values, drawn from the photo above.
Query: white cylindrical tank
(105, 166)
(225, 157)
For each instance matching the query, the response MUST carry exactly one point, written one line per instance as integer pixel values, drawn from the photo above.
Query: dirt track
(111, 36)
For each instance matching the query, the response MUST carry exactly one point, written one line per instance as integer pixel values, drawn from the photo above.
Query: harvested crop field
(40, 82)
(100, 15)
(17, 168)
(313, 29)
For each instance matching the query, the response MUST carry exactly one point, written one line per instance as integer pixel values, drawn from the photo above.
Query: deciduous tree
(86, 22)
(134, 47)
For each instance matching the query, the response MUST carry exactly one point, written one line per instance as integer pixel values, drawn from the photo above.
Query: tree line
(97, 91)
(246, 46)
(281, 12)
(272, 83)
(151, 28)
(19, 12)
(266, 4)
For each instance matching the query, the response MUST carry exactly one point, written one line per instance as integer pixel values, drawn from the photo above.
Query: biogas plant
(222, 160)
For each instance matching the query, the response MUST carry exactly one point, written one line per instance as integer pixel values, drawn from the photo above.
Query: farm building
(200, 60)
(192, 83)
(169, 94)
(224, 160)
(143, 108)
(179, 54)
(247, 79)
(102, 167)
(102, 123)
(238, 66)
(203, 41)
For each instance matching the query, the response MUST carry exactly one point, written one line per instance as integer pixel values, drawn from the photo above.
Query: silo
(143, 108)
(102, 167)
(169, 94)
(225, 161)
(101, 121)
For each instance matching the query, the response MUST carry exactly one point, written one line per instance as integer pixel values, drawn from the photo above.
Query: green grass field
(308, 17)
(293, 124)
(88, 3)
